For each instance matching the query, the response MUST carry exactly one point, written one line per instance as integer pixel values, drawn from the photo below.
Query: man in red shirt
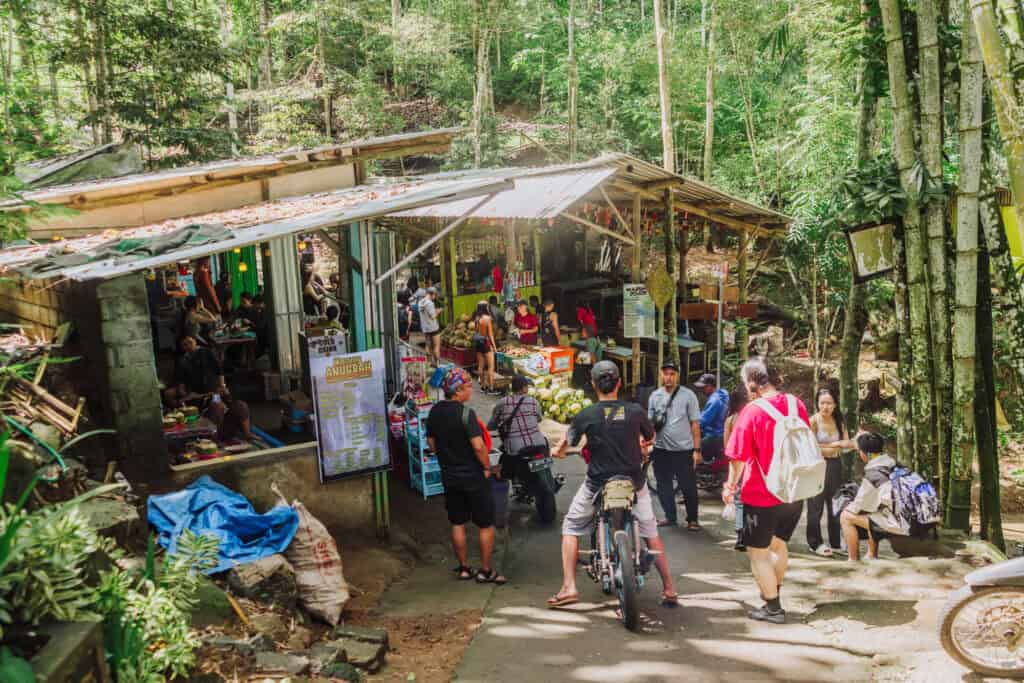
(527, 324)
(768, 522)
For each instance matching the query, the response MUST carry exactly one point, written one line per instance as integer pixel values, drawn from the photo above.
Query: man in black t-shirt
(456, 436)
(618, 434)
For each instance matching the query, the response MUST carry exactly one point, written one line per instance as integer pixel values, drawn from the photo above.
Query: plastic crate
(461, 357)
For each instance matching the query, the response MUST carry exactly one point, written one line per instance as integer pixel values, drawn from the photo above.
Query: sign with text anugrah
(352, 430)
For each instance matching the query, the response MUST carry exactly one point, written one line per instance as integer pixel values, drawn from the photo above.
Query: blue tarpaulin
(206, 507)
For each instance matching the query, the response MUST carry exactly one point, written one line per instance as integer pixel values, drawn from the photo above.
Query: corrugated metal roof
(353, 204)
(537, 189)
(534, 196)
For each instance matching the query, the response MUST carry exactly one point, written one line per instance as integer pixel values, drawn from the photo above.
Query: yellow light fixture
(302, 246)
(237, 250)
(266, 252)
(243, 267)
(57, 238)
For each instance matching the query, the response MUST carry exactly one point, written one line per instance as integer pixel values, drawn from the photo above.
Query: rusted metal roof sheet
(534, 196)
(260, 223)
(226, 168)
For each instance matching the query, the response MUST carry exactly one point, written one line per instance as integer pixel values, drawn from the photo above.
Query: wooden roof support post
(672, 325)
(511, 257)
(636, 278)
(742, 337)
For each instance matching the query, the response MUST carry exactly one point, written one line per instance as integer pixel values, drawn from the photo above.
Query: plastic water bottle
(729, 512)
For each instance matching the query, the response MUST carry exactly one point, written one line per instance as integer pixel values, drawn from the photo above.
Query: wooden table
(247, 340)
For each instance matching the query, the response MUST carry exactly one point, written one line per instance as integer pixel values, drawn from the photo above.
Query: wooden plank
(247, 458)
(615, 209)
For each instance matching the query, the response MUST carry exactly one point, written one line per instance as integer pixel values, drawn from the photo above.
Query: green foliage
(145, 616)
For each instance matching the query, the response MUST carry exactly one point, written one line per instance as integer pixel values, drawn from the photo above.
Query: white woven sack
(797, 471)
(313, 553)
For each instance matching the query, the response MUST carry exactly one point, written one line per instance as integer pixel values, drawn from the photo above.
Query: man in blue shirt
(712, 418)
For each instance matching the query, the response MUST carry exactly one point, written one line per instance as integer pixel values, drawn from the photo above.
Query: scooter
(532, 483)
(712, 473)
(982, 624)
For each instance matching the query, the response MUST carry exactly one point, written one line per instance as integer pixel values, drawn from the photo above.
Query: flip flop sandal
(491, 577)
(693, 526)
(555, 601)
(823, 550)
(465, 573)
(670, 600)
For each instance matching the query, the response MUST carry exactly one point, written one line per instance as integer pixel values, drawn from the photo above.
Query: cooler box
(559, 359)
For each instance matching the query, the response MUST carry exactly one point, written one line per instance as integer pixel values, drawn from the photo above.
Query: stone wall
(343, 506)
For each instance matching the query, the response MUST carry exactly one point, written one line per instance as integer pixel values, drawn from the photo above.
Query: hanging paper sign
(351, 423)
(660, 286)
(638, 312)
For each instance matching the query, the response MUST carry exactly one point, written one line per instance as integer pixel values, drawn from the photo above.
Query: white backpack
(797, 471)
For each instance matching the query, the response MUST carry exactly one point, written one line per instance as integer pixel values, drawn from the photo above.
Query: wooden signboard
(709, 311)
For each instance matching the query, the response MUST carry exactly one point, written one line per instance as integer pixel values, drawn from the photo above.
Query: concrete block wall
(40, 306)
(128, 373)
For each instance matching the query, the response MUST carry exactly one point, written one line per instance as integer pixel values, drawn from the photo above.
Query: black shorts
(470, 502)
(760, 524)
(482, 345)
(431, 335)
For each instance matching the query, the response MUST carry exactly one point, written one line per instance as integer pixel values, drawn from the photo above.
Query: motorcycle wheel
(626, 586)
(983, 630)
(547, 509)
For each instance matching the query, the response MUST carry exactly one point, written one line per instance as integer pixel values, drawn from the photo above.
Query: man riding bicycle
(617, 436)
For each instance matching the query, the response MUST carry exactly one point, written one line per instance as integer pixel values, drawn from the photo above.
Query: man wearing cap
(675, 413)
(457, 438)
(712, 418)
(429, 325)
(617, 434)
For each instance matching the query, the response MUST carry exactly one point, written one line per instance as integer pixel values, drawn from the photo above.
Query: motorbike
(982, 624)
(711, 473)
(617, 558)
(531, 480)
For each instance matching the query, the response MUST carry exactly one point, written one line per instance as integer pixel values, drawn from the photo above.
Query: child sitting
(872, 508)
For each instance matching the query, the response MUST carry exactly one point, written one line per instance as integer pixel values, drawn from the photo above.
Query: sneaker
(740, 546)
(765, 613)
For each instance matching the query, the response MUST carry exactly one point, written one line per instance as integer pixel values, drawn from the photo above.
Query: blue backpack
(914, 501)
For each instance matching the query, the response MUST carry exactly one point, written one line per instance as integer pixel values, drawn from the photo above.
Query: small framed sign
(872, 249)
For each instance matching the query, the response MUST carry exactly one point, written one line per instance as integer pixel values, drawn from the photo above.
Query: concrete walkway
(847, 621)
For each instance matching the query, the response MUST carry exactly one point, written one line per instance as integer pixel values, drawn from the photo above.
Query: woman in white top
(833, 438)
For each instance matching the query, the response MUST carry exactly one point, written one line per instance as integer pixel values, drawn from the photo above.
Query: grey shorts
(579, 520)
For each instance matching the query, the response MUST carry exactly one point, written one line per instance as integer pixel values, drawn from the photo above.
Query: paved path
(848, 621)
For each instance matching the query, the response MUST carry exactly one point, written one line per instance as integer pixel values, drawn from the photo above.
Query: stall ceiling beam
(429, 243)
(615, 209)
(599, 228)
(724, 220)
(636, 190)
(656, 185)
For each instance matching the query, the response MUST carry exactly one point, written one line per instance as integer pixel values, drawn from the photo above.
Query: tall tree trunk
(1004, 93)
(708, 30)
(573, 80)
(985, 418)
(1009, 306)
(958, 490)
(396, 45)
(935, 220)
(82, 36)
(321, 48)
(102, 68)
(914, 238)
(482, 98)
(229, 84)
(856, 315)
(266, 54)
(815, 325)
(668, 154)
